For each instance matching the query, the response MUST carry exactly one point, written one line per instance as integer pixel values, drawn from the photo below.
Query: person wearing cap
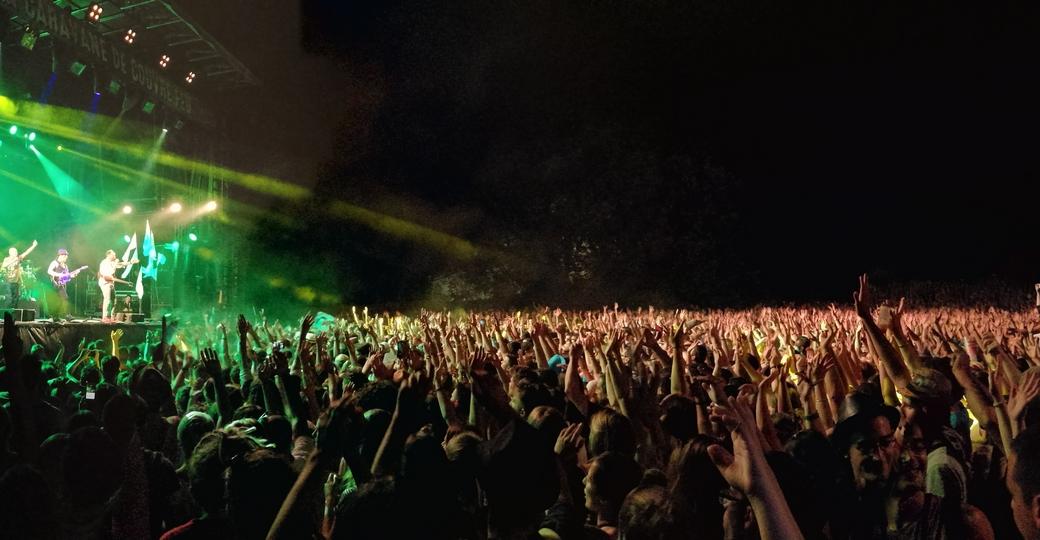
(926, 403)
(59, 267)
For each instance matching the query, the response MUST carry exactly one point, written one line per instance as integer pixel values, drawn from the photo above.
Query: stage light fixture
(126, 238)
(114, 86)
(193, 237)
(190, 77)
(128, 209)
(175, 246)
(76, 68)
(176, 207)
(130, 36)
(164, 130)
(94, 13)
(148, 107)
(210, 206)
(13, 130)
(29, 38)
(164, 60)
(60, 148)
(32, 136)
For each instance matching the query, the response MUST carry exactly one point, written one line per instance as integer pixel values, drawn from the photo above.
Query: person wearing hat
(58, 270)
(926, 403)
(865, 437)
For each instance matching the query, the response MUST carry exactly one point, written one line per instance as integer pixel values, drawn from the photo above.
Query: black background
(659, 151)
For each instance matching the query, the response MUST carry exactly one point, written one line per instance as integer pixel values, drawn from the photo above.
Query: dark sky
(781, 147)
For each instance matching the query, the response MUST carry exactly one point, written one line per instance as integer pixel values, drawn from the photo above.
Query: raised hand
(569, 442)
(861, 299)
(243, 325)
(305, 324)
(211, 363)
(1023, 394)
(746, 468)
(335, 431)
(885, 317)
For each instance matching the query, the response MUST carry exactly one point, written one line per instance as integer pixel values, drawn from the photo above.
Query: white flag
(126, 255)
(140, 286)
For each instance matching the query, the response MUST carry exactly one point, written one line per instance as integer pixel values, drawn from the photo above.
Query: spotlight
(13, 130)
(130, 36)
(114, 86)
(193, 237)
(176, 207)
(128, 209)
(29, 38)
(190, 78)
(210, 206)
(148, 107)
(164, 130)
(175, 245)
(60, 148)
(94, 14)
(126, 238)
(32, 136)
(77, 67)
(164, 60)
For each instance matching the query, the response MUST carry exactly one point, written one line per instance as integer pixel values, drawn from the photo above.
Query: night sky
(660, 151)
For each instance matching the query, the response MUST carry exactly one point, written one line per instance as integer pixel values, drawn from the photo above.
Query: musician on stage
(60, 277)
(12, 271)
(107, 281)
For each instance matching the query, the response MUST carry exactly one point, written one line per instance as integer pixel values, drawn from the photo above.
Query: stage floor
(51, 334)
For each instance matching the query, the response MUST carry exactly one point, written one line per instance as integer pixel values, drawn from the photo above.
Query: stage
(51, 334)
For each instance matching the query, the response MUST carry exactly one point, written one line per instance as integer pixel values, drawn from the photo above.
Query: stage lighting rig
(94, 13)
(164, 61)
(190, 77)
(130, 36)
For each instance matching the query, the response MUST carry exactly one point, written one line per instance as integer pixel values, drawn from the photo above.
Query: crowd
(877, 422)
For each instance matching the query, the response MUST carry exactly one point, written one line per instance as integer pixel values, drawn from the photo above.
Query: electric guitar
(103, 279)
(64, 279)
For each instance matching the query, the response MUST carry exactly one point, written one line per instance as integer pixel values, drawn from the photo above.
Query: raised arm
(26, 253)
(886, 353)
(746, 470)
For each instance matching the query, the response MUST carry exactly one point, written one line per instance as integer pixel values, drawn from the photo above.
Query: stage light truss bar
(160, 29)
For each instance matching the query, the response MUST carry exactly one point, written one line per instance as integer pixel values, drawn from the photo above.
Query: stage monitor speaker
(137, 317)
(22, 315)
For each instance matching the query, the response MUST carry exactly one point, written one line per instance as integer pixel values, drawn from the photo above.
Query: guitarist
(12, 273)
(107, 281)
(60, 277)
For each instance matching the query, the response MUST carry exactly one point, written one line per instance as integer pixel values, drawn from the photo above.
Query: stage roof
(162, 28)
